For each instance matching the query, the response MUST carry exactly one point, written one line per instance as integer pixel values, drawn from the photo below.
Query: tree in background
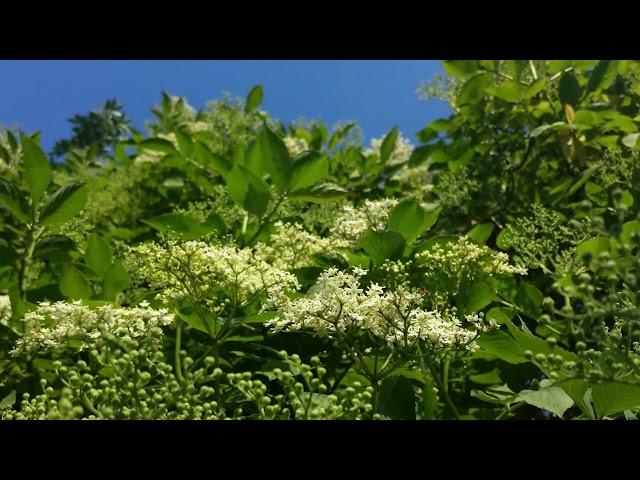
(102, 127)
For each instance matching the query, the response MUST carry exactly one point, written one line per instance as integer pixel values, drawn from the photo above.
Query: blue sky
(42, 95)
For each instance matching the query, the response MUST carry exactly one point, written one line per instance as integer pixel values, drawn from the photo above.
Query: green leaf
(408, 219)
(13, 200)
(98, 254)
(553, 399)
(578, 390)
(308, 169)
(248, 190)
(397, 398)
(475, 89)
(207, 159)
(602, 75)
(631, 140)
(158, 145)
(185, 144)
(275, 157)
(593, 247)
(180, 226)
(63, 205)
(628, 230)
(54, 248)
(595, 193)
(461, 69)
(8, 401)
(509, 91)
(430, 218)
(324, 192)
(339, 135)
(73, 284)
(535, 88)
(529, 298)
(388, 145)
(238, 338)
(481, 232)
(610, 398)
(501, 315)
(503, 346)
(190, 317)
(479, 295)
(254, 99)
(569, 89)
(37, 169)
(116, 279)
(381, 246)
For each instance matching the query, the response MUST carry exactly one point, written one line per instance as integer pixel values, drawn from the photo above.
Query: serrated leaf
(275, 157)
(408, 219)
(98, 254)
(63, 205)
(475, 89)
(158, 145)
(247, 189)
(54, 248)
(388, 145)
(553, 399)
(481, 232)
(569, 89)
(254, 98)
(181, 226)
(14, 200)
(631, 140)
(116, 279)
(207, 159)
(322, 193)
(8, 401)
(37, 169)
(73, 284)
(397, 398)
(308, 169)
(381, 246)
(461, 69)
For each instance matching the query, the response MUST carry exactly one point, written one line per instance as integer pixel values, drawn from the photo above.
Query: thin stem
(507, 410)
(441, 387)
(266, 220)
(178, 361)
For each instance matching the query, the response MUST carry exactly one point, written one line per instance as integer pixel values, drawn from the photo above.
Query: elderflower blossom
(295, 145)
(338, 306)
(54, 326)
(5, 309)
(196, 127)
(465, 259)
(290, 247)
(351, 224)
(401, 152)
(198, 271)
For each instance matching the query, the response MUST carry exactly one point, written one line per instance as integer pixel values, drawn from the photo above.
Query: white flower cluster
(401, 153)
(417, 181)
(55, 326)
(200, 272)
(352, 222)
(466, 260)
(337, 306)
(5, 309)
(219, 202)
(291, 246)
(196, 127)
(295, 145)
